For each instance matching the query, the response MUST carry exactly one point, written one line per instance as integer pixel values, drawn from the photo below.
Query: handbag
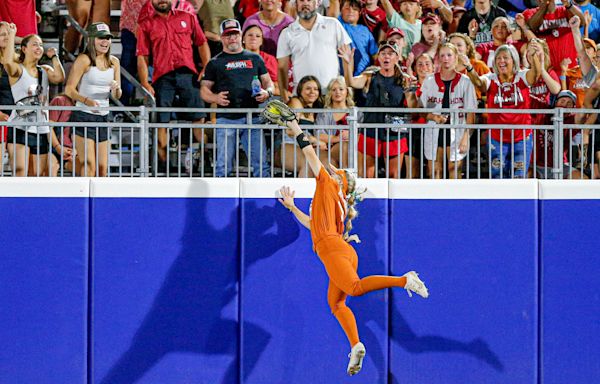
(33, 100)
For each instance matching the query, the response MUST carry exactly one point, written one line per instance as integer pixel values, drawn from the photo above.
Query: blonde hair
(354, 195)
(546, 49)
(468, 42)
(349, 94)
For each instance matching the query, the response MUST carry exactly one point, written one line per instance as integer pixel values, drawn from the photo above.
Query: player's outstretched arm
(278, 113)
(287, 200)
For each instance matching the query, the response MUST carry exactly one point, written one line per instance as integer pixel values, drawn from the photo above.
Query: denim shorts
(36, 143)
(98, 134)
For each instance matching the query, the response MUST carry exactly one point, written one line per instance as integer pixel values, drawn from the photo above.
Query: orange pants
(341, 263)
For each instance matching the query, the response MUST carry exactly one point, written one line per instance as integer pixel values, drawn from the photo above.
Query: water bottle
(256, 86)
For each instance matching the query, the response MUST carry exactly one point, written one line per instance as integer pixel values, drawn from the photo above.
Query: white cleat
(414, 284)
(356, 358)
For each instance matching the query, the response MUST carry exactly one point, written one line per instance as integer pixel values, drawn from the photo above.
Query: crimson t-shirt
(513, 95)
(555, 29)
(20, 12)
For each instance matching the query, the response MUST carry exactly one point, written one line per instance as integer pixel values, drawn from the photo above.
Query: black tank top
(6, 97)
(383, 92)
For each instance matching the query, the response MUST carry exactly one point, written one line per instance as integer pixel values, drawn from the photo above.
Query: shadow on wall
(201, 285)
(400, 331)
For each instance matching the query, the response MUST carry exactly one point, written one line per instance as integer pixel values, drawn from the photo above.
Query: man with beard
(228, 82)
(169, 35)
(311, 43)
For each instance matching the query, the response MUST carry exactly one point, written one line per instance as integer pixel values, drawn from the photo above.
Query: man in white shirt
(311, 42)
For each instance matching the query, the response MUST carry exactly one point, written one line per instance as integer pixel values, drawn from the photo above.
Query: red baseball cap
(230, 26)
(393, 31)
(431, 17)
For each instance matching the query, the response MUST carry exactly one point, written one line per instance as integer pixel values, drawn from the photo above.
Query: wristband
(569, 6)
(302, 140)
(469, 69)
(562, 77)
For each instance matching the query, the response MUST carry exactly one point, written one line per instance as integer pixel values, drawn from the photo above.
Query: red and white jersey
(462, 95)
(555, 29)
(513, 95)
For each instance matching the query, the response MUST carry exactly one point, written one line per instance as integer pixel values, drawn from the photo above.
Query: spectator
(407, 20)
(457, 14)
(592, 101)
(29, 85)
(168, 36)
(252, 39)
(589, 72)
(500, 35)
(21, 13)
(548, 83)
(95, 75)
(130, 11)
(363, 42)
(5, 92)
(246, 8)
(373, 16)
(387, 87)
(227, 82)
(432, 36)
(292, 158)
(62, 140)
(477, 22)
(438, 7)
(272, 21)
(550, 22)
(211, 14)
(423, 67)
(310, 36)
(396, 36)
(84, 12)
(508, 88)
(448, 89)
(592, 14)
(545, 142)
(338, 96)
(465, 46)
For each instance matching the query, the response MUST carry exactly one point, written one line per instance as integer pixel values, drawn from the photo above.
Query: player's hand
(287, 197)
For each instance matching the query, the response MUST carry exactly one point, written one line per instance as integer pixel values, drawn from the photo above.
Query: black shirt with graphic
(234, 73)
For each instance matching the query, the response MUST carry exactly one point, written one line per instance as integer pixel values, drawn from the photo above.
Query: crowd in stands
(316, 54)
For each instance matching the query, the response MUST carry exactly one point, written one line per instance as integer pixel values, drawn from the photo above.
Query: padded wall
(476, 249)
(165, 273)
(43, 280)
(289, 333)
(569, 214)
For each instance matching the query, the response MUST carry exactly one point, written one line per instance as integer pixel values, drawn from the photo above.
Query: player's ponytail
(352, 198)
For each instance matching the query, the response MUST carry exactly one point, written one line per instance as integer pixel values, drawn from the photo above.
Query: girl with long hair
(29, 82)
(447, 89)
(292, 158)
(95, 75)
(5, 92)
(330, 222)
(338, 96)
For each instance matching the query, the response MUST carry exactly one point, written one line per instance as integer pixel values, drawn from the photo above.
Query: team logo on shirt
(239, 64)
(183, 24)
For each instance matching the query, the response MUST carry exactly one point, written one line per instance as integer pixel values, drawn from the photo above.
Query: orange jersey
(328, 208)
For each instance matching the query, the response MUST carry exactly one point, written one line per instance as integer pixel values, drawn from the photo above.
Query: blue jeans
(226, 149)
(129, 63)
(507, 156)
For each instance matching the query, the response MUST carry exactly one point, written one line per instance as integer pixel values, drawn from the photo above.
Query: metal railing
(241, 146)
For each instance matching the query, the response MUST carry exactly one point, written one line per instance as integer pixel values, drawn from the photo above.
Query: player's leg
(336, 298)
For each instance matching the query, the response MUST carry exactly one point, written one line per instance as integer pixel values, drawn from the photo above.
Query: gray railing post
(353, 139)
(144, 168)
(557, 143)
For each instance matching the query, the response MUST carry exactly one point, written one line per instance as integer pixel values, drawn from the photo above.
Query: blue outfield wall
(213, 281)
(44, 243)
